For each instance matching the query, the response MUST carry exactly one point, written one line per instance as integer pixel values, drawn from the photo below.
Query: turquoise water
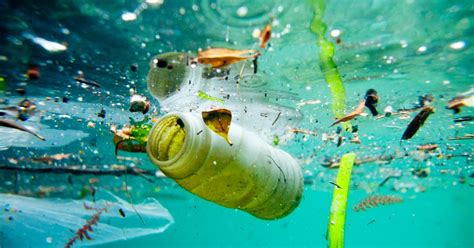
(403, 49)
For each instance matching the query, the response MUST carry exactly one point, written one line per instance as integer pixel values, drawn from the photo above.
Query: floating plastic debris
(13, 124)
(82, 80)
(34, 218)
(176, 81)
(464, 118)
(422, 49)
(23, 111)
(129, 16)
(155, 2)
(309, 102)
(167, 74)
(465, 99)
(101, 114)
(457, 45)
(427, 147)
(139, 103)
(270, 191)
(50, 46)
(422, 172)
(91, 124)
(335, 33)
(302, 131)
(33, 72)
(133, 15)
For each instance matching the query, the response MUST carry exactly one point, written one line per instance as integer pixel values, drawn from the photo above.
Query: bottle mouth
(178, 144)
(166, 139)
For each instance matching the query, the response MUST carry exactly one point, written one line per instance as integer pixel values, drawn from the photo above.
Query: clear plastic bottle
(249, 175)
(175, 82)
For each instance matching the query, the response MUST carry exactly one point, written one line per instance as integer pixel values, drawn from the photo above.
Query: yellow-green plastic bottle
(250, 174)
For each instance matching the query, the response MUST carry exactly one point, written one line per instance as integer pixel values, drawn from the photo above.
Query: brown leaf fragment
(265, 35)
(417, 122)
(219, 57)
(218, 121)
(461, 101)
(351, 115)
(124, 141)
(427, 147)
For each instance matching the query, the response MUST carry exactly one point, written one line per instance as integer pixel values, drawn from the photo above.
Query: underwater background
(78, 60)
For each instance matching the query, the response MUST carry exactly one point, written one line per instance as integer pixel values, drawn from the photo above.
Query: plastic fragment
(41, 218)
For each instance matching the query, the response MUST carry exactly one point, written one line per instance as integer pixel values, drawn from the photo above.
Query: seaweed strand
(83, 232)
(337, 214)
(327, 64)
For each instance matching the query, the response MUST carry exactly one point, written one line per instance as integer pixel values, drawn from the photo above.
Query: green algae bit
(327, 65)
(139, 130)
(140, 133)
(203, 95)
(337, 215)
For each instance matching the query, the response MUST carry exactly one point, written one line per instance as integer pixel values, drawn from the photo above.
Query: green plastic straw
(337, 215)
(327, 65)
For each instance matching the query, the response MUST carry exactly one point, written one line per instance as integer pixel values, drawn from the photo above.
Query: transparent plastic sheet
(253, 103)
(33, 222)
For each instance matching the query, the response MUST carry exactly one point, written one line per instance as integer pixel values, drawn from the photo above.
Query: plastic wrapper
(32, 222)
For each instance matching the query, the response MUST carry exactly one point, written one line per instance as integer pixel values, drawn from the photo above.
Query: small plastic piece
(167, 73)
